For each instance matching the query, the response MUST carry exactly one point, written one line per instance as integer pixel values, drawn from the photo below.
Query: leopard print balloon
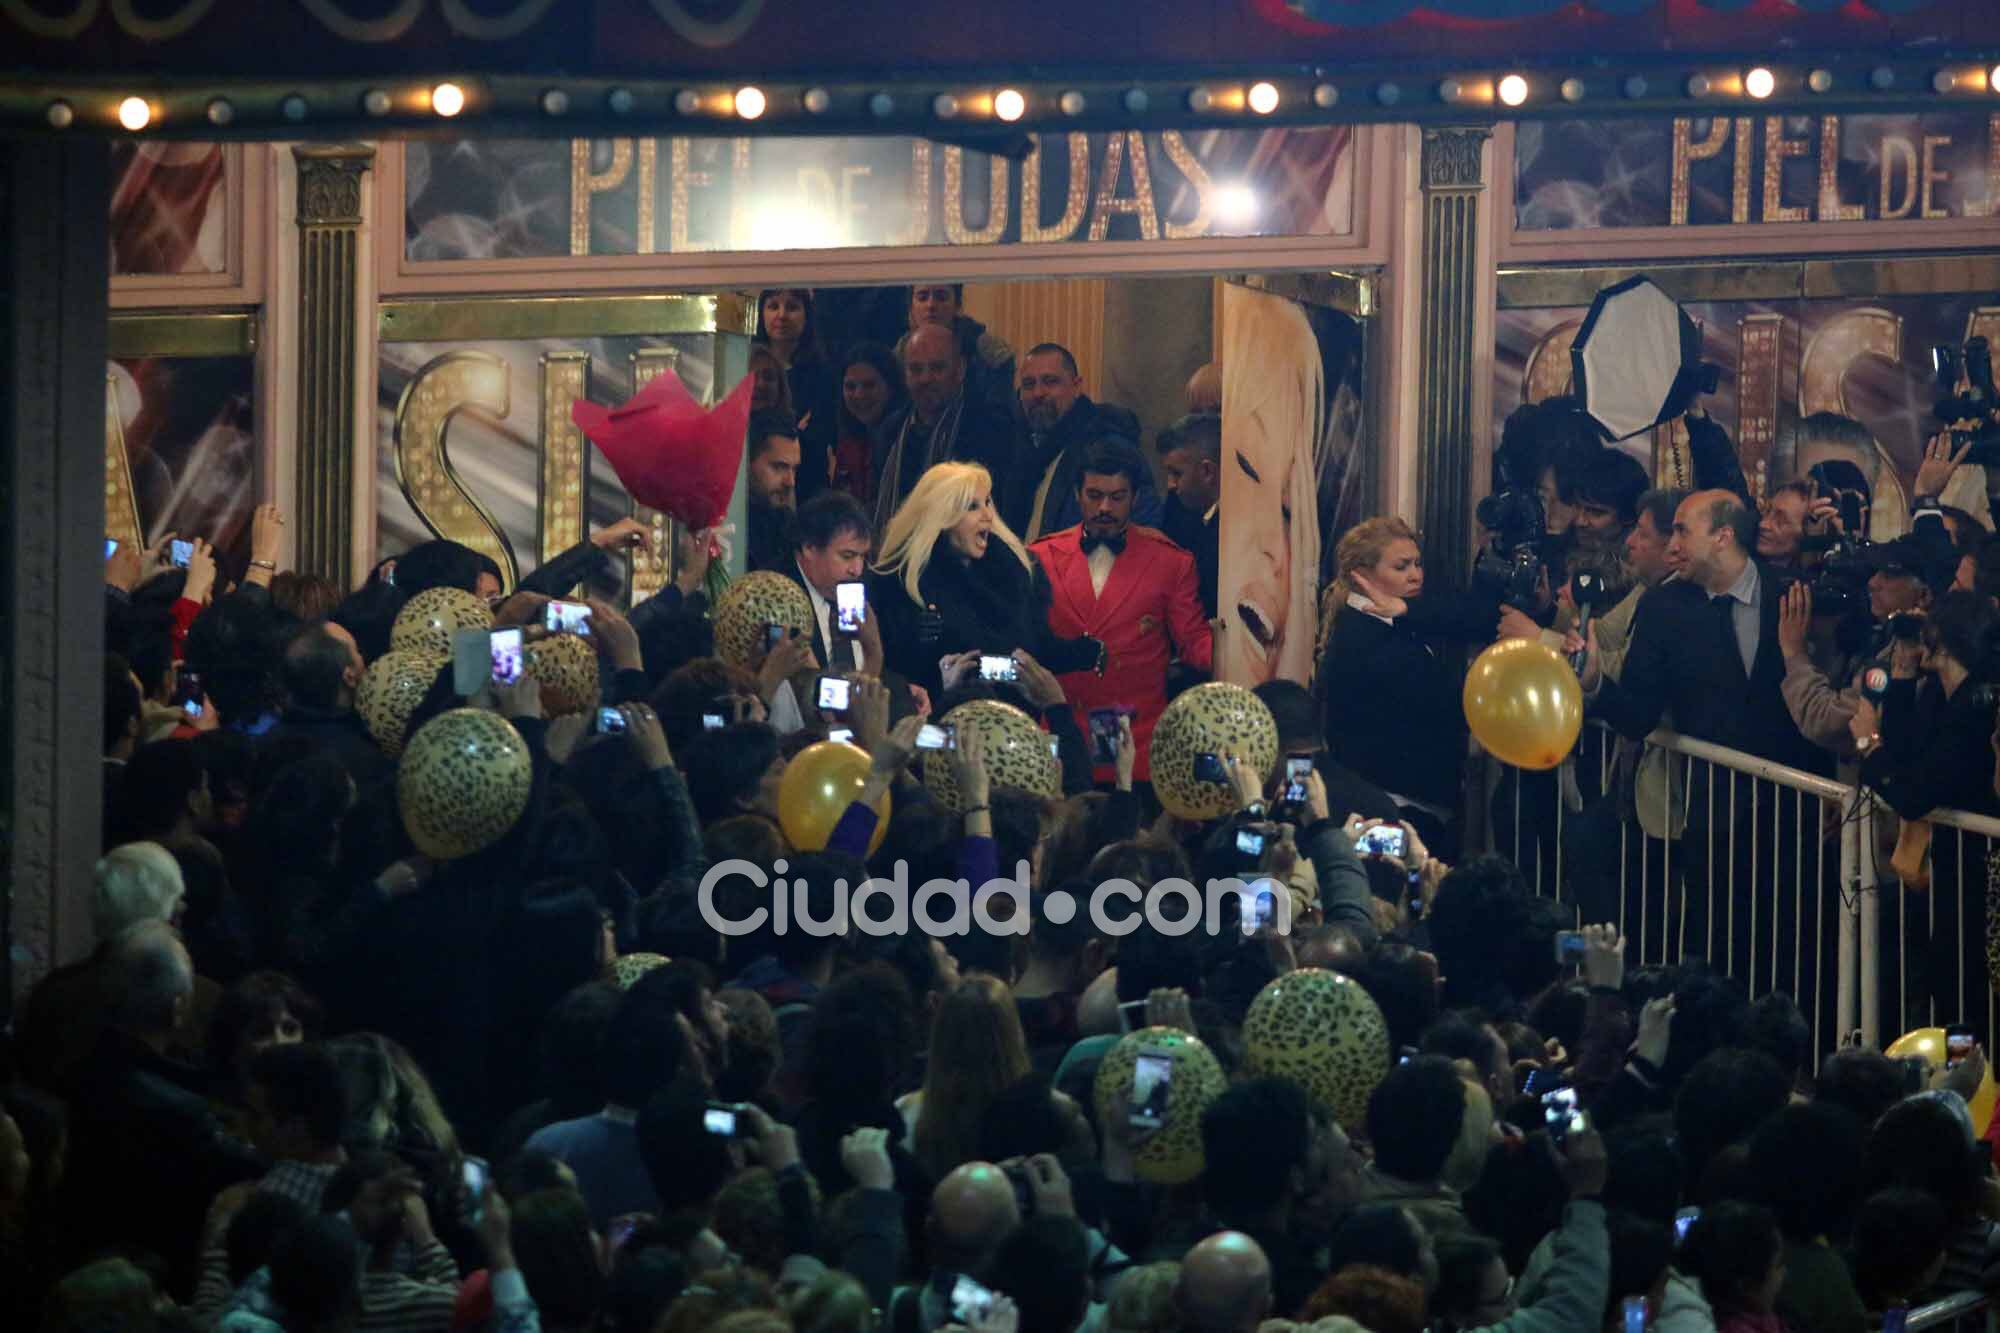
(566, 668)
(395, 683)
(1017, 753)
(627, 968)
(1209, 719)
(749, 604)
(1171, 1154)
(463, 783)
(1323, 1032)
(428, 620)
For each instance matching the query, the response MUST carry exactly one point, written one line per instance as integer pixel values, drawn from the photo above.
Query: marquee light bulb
(1760, 83)
(1009, 104)
(1263, 98)
(1513, 90)
(134, 114)
(750, 103)
(447, 99)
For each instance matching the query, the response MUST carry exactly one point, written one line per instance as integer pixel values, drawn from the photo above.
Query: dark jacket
(766, 546)
(989, 365)
(1935, 752)
(1393, 713)
(1198, 537)
(558, 576)
(342, 735)
(146, 1156)
(815, 393)
(979, 433)
(1063, 445)
(993, 604)
(1681, 660)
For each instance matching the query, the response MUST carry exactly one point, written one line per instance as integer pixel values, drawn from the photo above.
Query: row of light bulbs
(1010, 104)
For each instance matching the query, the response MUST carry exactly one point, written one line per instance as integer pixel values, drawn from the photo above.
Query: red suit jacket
(1151, 605)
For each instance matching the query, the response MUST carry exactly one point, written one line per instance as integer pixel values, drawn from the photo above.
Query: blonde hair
(1361, 547)
(1287, 388)
(939, 499)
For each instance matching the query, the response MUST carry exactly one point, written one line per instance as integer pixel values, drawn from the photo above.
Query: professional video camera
(1975, 365)
(1511, 560)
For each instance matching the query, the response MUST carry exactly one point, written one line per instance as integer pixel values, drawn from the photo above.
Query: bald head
(1714, 534)
(1225, 1285)
(933, 368)
(972, 1210)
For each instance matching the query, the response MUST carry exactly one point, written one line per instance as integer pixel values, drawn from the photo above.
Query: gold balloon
(817, 787)
(1323, 1032)
(566, 669)
(749, 605)
(428, 620)
(1524, 704)
(395, 683)
(1172, 1154)
(1209, 719)
(1017, 753)
(1929, 1043)
(463, 782)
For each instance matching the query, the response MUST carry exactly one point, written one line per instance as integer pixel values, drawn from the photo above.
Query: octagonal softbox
(1637, 359)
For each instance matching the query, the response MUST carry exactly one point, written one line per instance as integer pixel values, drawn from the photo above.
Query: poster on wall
(1710, 171)
(546, 198)
(1864, 358)
(1291, 477)
(474, 441)
(186, 427)
(169, 208)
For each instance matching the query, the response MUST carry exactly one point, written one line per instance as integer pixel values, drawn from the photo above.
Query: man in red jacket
(1130, 588)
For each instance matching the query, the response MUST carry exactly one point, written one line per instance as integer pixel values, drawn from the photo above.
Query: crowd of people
(313, 1077)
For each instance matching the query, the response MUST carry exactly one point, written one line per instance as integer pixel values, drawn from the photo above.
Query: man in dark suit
(1058, 422)
(1191, 458)
(830, 539)
(1705, 646)
(1130, 589)
(773, 476)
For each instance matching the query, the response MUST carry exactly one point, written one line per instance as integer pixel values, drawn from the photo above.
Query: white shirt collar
(1361, 603)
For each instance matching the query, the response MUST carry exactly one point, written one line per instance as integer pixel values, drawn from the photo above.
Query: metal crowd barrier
(1966, 1312)
(1775, 875)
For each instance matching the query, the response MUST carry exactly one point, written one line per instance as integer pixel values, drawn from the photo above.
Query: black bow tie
(1116, 545)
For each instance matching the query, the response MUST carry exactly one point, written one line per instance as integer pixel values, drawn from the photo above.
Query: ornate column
(55, 282)
(329, 209)
(1453, 181)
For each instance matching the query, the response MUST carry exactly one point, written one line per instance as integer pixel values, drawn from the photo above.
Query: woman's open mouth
(1257, 622)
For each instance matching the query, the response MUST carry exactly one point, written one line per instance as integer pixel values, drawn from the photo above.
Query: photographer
(1926, 747)
(1817, 656)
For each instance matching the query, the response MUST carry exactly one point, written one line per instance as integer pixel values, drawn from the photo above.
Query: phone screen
(1559, 1113)
(110, 547)
(1684, 1219)
(474, 1175)
(1958, 1044)
(1383, 840)
(931, 736)
(998, 667)
(1208, 768)
(1296, 772)
(1569, 947)
(505, 645)
(1132, 1015)
(1259, 905)
(610, 722)
(850, 604)
(719, 1120)
(187, 693)
(773, 636)
(1895, 1320)
(1152, 1083)
(1104, 735)
(180, 553)
(566, 618)
(833, 693)
(970, 1302)
(842, 734)
(713, 722)
(1249, 842)
(1635, 1314)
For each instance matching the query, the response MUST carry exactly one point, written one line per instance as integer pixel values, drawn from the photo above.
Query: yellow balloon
(1524, 704)
(817, 787)
(1929, 1043)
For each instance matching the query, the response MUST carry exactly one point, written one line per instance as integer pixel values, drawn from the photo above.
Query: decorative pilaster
(55, 283)
(329, 209)
(1453, 182)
